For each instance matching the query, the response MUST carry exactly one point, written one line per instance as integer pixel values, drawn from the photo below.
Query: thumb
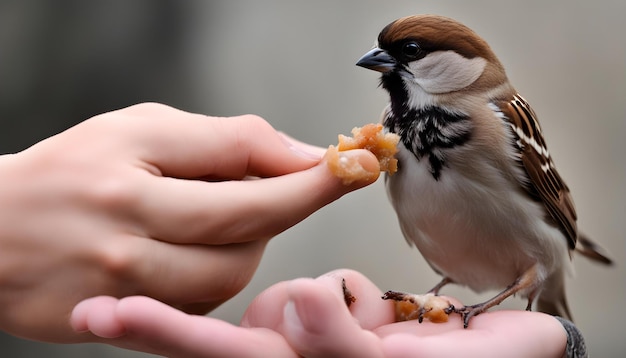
(305, 192)
(317, 323)
(288, 199)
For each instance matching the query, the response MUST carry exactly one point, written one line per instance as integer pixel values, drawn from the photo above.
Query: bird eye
(410, 49)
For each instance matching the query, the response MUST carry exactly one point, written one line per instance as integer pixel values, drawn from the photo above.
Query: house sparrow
(476, 190)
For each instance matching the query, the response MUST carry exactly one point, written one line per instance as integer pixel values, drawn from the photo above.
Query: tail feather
(552, 298)
(591, 250)
(555, 307)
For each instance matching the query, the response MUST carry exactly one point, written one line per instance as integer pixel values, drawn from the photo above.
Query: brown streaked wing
(544, 180)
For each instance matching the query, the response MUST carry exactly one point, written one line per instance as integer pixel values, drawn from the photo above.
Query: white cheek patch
(446, 71)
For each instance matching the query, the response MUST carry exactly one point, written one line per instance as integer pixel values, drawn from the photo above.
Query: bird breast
(480, 231)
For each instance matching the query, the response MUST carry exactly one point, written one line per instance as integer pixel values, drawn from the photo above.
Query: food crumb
(370, 137)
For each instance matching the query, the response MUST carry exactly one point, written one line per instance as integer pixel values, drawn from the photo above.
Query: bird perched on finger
(476, 191)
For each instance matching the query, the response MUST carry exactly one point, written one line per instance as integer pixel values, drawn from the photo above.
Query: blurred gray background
(292, 62)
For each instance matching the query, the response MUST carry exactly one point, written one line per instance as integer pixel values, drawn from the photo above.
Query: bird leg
(435, 290)
(527, 280)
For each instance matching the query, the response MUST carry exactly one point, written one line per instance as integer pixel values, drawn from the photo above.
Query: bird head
(425, 58)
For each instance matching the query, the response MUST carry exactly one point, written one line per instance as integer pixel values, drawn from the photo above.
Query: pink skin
(152, 201)
(308, 317)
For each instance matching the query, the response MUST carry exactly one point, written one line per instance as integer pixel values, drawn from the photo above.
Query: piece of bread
(428, 306)
(370, 137)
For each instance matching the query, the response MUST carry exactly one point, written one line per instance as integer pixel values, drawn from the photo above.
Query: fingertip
(350, 275)
(78, 317)
(266, 309)
(97, 315)
(368, 308)
(308, 303)
(133, 305)
(140, 313)
(368, 161)
(317, 323)
(291, 320)
(356, 168)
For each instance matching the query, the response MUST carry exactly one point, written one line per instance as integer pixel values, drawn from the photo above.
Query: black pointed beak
(377, 60)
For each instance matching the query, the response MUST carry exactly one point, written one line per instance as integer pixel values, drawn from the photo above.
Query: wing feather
(543, 182)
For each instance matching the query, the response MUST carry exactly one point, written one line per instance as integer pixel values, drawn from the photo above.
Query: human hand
(308, 317)
(148, 200)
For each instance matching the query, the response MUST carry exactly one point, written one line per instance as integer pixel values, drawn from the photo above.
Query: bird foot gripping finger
(467, 312)
(428, 306)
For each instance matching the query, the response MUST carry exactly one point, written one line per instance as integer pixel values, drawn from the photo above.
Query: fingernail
(301, 149)
(367, 161)
(78, 320)
(291, 318)
(354, 165)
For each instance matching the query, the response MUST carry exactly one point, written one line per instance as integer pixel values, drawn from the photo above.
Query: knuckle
(251, 123)
(116, 193)
(148, 107)
(119, 260)
(249, 129)
(254, 119)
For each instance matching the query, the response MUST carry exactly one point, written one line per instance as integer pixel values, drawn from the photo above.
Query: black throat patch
(429, 132)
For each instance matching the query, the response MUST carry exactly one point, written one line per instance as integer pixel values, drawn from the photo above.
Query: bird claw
(420, 314)
(467, 312)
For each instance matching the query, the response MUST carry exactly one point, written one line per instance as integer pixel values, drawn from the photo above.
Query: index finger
(186, 145)
(186, 211)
